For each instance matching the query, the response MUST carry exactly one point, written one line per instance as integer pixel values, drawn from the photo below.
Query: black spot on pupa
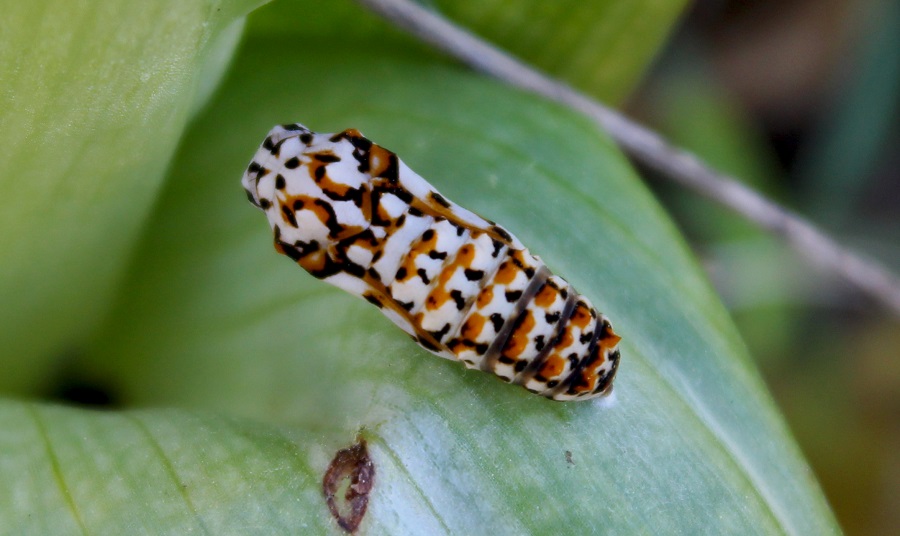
(289, 215)
(334, 228)
(280, 183)
(413, 211)
(347, 484)
(497, 321)
(501, 232)
(427, 344)
(552, 318)
(264, 203)
(292, 253)
(327, 157)
(406, 305)
(292, 163)
(439, 199)
(276, 148)
(427, 235)
(401, 274)
(474, 275)
(513, 295)
(320, 173)
(539, 343)
(306, 138)
(392, 170)
(407, 198)
(353, 269)
(371, 298)
(438, 335)
(423, 275)
(520, 365)
(458, 298)
(437, 255)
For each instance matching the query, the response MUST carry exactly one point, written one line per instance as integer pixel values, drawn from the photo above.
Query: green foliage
(94, 100)
(273, 371)
(601, 47)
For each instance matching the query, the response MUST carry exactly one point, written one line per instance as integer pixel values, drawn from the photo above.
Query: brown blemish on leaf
(347, 484)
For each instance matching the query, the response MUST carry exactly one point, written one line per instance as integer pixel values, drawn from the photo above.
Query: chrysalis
(353, 214)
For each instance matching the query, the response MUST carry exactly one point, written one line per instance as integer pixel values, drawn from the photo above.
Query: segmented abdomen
(352, 214)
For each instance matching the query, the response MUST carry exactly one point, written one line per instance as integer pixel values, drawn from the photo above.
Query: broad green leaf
(212, 318)
(94, 98)
(601, 47)
(67, 471)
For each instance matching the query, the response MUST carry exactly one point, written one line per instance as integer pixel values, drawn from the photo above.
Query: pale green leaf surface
(154, 472)
(93, 99)
(212, 318)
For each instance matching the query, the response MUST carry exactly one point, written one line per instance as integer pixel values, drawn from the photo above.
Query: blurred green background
(801, 98)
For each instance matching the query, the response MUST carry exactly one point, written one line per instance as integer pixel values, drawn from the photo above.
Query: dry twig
(650, 149)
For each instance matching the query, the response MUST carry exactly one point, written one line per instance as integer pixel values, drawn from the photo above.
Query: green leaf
(95, 96)
(601, 47)
(153, 472)
(212, 318)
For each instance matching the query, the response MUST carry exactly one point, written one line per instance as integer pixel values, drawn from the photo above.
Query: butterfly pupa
(354, 215)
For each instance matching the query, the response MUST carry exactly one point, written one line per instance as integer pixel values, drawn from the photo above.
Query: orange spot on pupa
(506, 274)
(473, 327)
(553, 366)
(546, 296)
(581, 317)
(518, 341)
(485, 297)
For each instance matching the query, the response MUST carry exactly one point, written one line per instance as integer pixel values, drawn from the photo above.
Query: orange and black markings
(354, 215)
